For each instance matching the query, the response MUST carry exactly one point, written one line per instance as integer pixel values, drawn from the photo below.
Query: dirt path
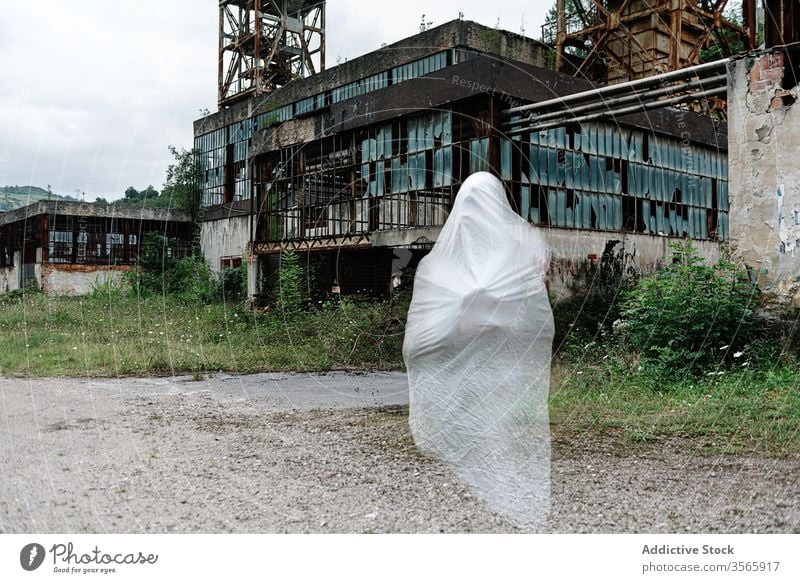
(327, 453)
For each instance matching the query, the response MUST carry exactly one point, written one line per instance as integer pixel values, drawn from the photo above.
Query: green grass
(741, 409)
(123, 335)
(596, 391)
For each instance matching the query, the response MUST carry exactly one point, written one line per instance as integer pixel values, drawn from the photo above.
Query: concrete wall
(764, 141)
(573, 251)
(64, 279)
(9, 276)
(227, 237)
(9, 279)
(89, 209)
(456, 33)
(77, 280)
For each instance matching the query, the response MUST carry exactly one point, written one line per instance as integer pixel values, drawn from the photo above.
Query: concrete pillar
(764, 174)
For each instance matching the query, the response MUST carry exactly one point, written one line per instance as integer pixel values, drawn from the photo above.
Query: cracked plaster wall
(764, 175)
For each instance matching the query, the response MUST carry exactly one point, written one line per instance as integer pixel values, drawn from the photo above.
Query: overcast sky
(93, 91)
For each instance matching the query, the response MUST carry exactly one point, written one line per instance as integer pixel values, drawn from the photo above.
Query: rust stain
(83, 268)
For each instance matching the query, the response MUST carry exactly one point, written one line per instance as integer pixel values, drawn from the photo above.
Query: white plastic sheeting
(478, 347)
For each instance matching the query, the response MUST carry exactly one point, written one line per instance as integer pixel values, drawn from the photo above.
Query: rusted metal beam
(561, 31)
(750, 24)
(595, 48)
(713, 28)
(263, 46)
(781, 22)
(45, 237)
(614, 26)
(360, 241)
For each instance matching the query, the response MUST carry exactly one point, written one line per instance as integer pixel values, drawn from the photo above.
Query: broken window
(230, 262)
(671, 187)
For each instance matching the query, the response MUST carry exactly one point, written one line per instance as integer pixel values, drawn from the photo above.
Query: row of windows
(212, 147)
(424, 132)
(363, 86)
(420, 157)
(567, 169)
(412, 70)
(614, 178)
(413, 188)
(83, 247)
(357, 88)
(635, 146)
(88, 240)
(420, 67)
(607, 212)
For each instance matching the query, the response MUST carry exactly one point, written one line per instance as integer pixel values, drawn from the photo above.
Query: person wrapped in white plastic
(477, 349)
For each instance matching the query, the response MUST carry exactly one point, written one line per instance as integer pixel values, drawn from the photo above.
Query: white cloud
(94, 91)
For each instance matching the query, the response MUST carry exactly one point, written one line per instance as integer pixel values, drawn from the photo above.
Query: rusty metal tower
(622, 40)
(781, 20)
(264, 44)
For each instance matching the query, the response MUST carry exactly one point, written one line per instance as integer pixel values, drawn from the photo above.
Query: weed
(688, 316)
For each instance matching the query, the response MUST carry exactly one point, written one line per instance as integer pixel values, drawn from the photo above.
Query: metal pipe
(707, 83)
(621, 87)
(623, 111)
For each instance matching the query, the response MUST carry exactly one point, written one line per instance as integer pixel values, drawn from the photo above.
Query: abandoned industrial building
(69, 247)
(611, 133)
(353, 162)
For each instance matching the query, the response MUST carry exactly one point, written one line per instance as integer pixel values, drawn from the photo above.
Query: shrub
(107, 289)
(187, 279)
(688, 316)
(231, 284)
(191, 279)
(291, 296)
(154, 262)
(595, 304)
(30, 288)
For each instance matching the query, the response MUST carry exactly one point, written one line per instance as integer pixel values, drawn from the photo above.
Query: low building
(67, 248)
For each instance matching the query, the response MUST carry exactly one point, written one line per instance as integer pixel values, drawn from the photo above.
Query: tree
(572, 9)
(180, 189)
(148, 193)
(575, 11)
(131, 194)
(100, 200)
(716, 50)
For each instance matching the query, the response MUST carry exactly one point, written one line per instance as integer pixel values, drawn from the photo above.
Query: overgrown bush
(595, 304)
(108, 289)
(31, 287)
(231, 284)
(188, 278)
(152, 265)
(688, 316)
(291, 286)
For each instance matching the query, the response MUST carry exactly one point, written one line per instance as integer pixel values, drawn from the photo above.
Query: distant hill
(12, 197)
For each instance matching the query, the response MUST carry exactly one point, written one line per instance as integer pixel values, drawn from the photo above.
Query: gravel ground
(328, 453)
